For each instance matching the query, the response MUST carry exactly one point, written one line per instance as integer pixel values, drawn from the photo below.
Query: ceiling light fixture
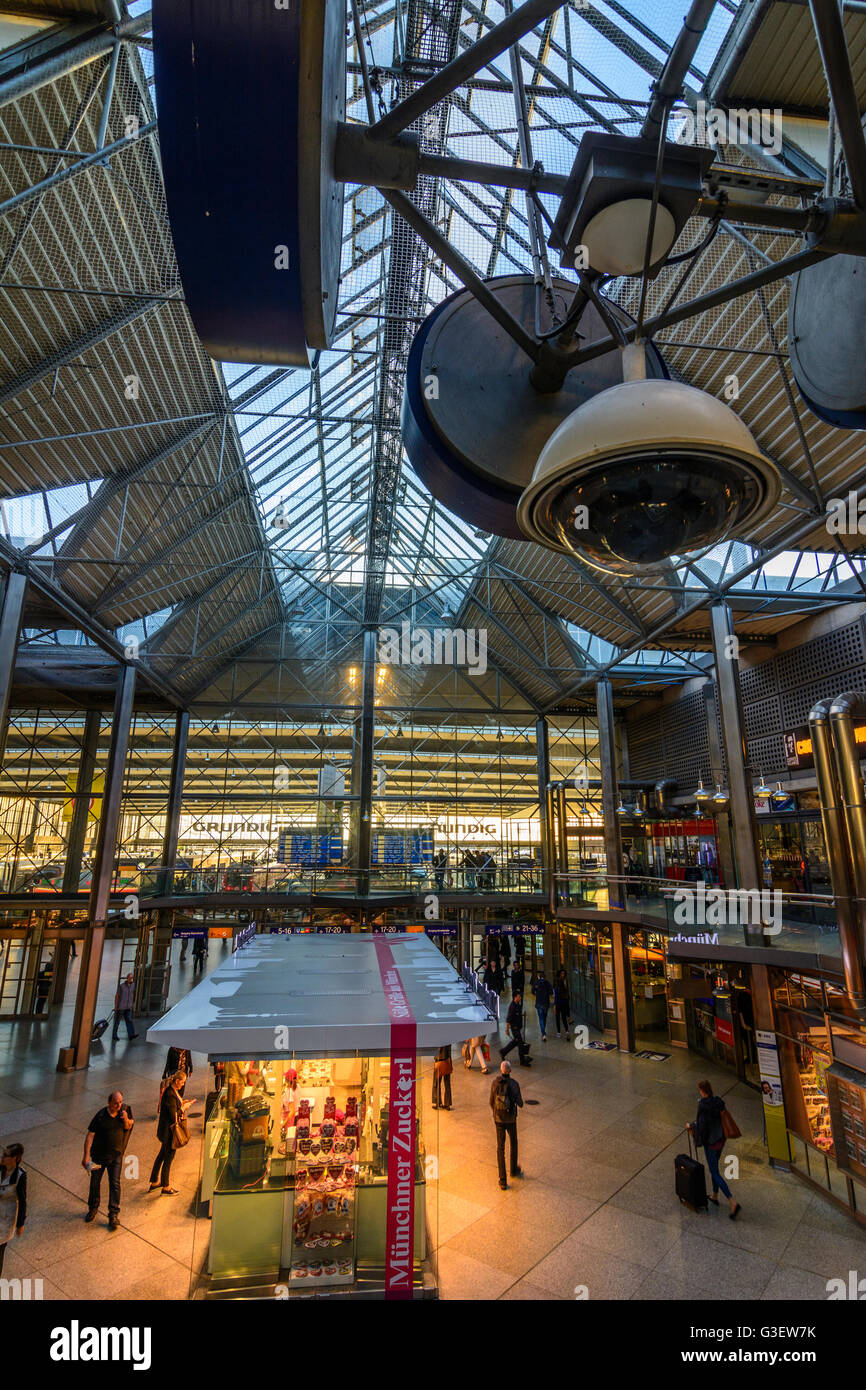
(702, 796)
(721, 798)
(762, 789)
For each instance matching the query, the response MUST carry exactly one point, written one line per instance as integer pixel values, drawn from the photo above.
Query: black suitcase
(100, 1026)
(691, 1180)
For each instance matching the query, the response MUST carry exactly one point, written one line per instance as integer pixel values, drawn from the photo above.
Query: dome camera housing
(644, 471)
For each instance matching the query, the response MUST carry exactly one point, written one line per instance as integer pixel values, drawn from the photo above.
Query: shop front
(320, 1147)
(586, 952)
(822, 1056)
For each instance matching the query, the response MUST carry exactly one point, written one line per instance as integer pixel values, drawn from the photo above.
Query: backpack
(504, 1109)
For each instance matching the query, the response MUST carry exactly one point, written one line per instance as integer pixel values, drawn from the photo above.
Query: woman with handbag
(442, 1069)
(713, 1125)
(171, 1132)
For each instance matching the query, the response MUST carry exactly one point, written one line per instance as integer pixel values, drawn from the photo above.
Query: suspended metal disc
(473, 425)
(248, 98)
(826, 336)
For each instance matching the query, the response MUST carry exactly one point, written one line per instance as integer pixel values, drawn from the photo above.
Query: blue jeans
(713, 1156)
(541, 1010)
(126, 1015)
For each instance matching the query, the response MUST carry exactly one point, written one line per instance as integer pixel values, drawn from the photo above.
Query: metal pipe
(850, 781)
(669, 84)
(362, 59)
(470, 61)
(838, 852)
(562, 840)
(496, 175)
(109, 94)
(830, 33)
(551, 849)
(100, 156)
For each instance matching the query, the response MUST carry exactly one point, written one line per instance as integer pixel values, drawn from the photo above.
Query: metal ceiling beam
(89, 339)
(830, 32)
(52, 57)
(87, 517)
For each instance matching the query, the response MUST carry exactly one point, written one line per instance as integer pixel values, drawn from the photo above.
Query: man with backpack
(505, 1101)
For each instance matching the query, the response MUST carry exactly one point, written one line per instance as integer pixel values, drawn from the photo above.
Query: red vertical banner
(400, 1227)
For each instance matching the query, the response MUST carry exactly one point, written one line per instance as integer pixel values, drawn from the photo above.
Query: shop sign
(438, 930)
(530, 930)
(220, 933)
(725, 1031)
(400, 1221)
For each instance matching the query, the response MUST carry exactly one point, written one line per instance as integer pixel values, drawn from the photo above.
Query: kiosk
(319, 1159)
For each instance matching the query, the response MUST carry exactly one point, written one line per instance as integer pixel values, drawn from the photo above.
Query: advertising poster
(771, 1095)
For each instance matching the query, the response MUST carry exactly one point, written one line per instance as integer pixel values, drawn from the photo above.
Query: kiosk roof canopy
(314, 994)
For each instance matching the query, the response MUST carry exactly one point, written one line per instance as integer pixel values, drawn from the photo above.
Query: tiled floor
(595, 1211)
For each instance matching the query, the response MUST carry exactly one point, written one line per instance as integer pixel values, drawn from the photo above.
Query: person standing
(543, 996)
(123, 1002)
(514, 1029)
(442, 1069)
(561, 1003)
(440, 865)
(171, 1110)
(43, 984)
(710, 1136)
(518, 976)
(13, 1197)
(106, 1138)
(505, 1100)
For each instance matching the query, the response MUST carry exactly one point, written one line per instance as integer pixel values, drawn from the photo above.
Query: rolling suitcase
(691, 1180)
(100, 1026)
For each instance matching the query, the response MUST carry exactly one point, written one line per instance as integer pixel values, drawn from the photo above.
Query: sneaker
(113, 1223)
(544, 1037)
(91, 1216)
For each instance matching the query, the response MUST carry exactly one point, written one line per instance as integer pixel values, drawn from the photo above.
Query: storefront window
(295, 1171)
(804, 1050)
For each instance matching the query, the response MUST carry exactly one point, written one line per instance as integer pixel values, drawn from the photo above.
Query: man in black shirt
(104, 1144)
(505, 1101)
(514, 1027)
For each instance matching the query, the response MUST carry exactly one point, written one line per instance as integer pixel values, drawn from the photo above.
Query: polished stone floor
(595, 1211)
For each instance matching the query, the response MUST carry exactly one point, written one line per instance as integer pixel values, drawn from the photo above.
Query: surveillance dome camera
(644, 471)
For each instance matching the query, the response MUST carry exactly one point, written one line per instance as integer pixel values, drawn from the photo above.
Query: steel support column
(10, 626)
(365, 761)
(542, 754)
(103, 869)
(613, 861)
(175, 797)
(77, 840)
(716, 773)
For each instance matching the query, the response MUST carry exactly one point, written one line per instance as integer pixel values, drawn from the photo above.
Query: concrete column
(103, 868)
(613, 861)
(741, 801)
(716, 773)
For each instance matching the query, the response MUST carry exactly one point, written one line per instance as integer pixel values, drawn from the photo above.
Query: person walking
(475, 1047)
(171, 1110)
(104, 1144)
(13, 1197)
(123, 1002)
(561, 1003)
(199, 952)
(505, 1101)
(442, 1069)
(514, 1029)
(543, 996)
(710, 1136)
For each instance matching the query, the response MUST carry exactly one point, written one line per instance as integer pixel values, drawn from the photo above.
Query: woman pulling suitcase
(710, 1131)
